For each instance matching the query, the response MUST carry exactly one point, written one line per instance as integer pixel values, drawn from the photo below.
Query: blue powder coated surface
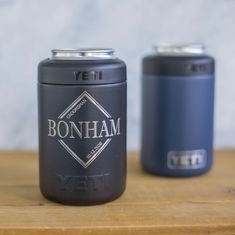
(177, 116)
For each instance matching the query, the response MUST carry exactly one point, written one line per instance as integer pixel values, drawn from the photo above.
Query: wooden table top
(150, 205)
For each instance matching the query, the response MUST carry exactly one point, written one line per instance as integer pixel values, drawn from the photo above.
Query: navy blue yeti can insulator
(177, 111)
(82, 126)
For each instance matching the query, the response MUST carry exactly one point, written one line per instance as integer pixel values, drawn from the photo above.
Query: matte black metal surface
(82, 71)
(82, 138)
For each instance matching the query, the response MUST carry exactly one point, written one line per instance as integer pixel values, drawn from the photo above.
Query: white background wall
(30, 28)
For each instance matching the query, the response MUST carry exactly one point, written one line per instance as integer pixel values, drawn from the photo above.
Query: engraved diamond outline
(103, 146)
(75, 102)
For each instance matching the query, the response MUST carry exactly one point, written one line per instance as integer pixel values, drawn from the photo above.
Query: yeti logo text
(73, 131)
(186, 160)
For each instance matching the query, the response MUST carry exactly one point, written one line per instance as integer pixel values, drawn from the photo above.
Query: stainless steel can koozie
(177, 111)
(82, 126)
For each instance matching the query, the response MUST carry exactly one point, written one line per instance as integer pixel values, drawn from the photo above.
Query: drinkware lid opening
(180, 49)
(83, 53)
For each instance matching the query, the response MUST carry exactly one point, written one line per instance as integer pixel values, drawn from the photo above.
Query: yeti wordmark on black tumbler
(82, 126)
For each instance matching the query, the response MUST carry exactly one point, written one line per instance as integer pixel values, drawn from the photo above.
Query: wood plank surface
(150, 205)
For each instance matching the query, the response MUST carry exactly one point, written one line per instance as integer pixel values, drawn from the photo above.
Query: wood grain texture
(150, 205)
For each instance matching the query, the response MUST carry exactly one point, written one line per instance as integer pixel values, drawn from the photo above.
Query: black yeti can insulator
(82, 126)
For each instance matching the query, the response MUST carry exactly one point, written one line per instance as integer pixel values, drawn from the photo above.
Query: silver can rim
(82, 53)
